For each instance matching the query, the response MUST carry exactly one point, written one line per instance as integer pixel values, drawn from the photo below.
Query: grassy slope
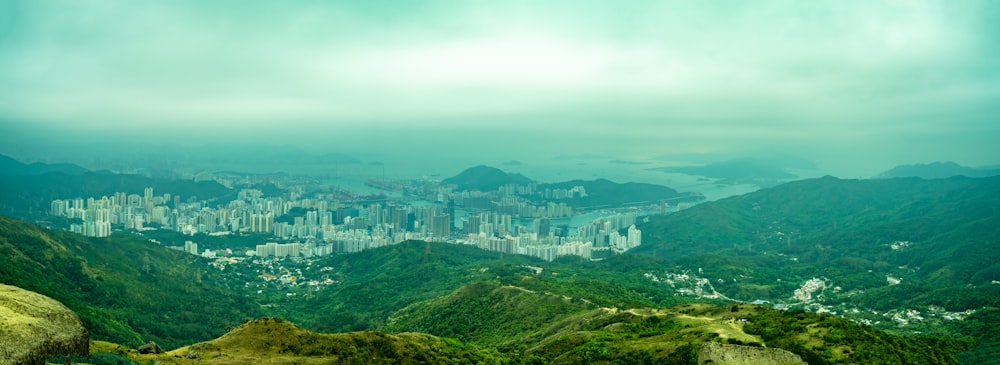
(276, 341)
(953, 225)
(603, 335)
(486, 313)
(106, 281)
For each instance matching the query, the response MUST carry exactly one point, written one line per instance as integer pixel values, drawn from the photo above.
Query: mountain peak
(936, 170)
(485, 178)
(11, 166)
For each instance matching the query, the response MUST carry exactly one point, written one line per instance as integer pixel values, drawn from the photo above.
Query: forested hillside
(124, 290)
(30, 196)
(915, 257)
(907, 255)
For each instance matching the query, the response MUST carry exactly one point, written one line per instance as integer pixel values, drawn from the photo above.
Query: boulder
(150, 348)
(34, 327)
(724, 354)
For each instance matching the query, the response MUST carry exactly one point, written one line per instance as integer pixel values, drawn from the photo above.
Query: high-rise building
(441, 226)
(471, 224)
(634, 237)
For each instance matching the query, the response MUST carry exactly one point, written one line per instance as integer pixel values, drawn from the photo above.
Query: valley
(499, 182)
(749, 270)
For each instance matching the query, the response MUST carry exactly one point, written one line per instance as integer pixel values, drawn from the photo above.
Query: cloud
(714, 72)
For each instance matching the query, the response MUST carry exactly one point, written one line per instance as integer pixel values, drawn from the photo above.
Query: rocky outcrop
(34, 327)
(150, 348)
(724, 354)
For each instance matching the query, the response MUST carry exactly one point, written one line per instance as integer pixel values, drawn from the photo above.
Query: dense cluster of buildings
(322, 224)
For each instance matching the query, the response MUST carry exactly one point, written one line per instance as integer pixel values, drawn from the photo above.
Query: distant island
(739, 171)
(585, 194)
(936, 170)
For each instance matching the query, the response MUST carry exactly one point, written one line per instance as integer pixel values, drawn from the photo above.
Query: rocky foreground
(34, 327)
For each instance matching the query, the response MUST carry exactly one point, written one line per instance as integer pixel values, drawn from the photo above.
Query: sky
(856, 86)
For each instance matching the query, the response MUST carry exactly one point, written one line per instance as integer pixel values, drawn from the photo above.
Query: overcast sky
(872, 83)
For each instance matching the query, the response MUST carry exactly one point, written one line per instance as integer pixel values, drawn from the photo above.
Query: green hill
(10, 166)
(672, 335)
(30, 196)
(936, 170)
(275, 341)
(849, 238)
(942, 231)
(485, 178)
(603, 193)
(376, 283)
(738, 171)
(906, 255)
(675, 334)
(124, 290)
(486, 313)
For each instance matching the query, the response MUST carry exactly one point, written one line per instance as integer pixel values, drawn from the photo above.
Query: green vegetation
(937, 235)
(274, 340)
(740, 171)
(124, 290)
(824, 339)
(238, 242)
(10, 166)
(485, 178)
(603, 193)
(30, 196)
(375, 284)
(486, 313)
(936, 170)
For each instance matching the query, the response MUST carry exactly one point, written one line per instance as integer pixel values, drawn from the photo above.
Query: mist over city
(499, 182)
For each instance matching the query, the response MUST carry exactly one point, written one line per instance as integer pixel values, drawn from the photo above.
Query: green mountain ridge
(946, 228)
(600, 193)
(10, 166)
(908, 255)
(485, 178)
(124, 290)
(30, 196)
(486, 313)
(934, 236)
(737, 171)
(675, 335)
(936, 170)
(603, 193)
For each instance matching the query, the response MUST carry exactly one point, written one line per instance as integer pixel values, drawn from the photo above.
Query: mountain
(936, 170)
(29, 196)
(685, 334)
(275, 341)
(374, 284)
(125, 290)
(510, 309)
(485, 178)
(679, 335)
(943, 227)
(487, 313)
(599, 193)
(603, 193)
(907, 255)
(738, 171)
(10, 166)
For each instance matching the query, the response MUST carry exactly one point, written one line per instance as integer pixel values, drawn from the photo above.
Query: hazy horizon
(854, 88)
